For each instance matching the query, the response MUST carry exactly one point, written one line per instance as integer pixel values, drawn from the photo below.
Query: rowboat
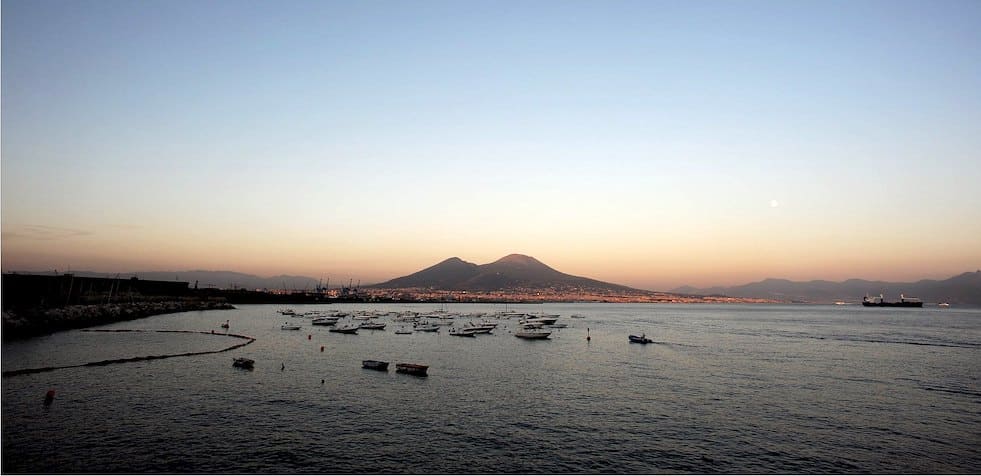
(375, 365)
(532, 334)
(412, 369)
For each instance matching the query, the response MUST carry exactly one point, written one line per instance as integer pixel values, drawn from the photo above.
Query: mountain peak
(519, 259)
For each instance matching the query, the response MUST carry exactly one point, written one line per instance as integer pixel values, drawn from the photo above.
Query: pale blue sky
(635, 142)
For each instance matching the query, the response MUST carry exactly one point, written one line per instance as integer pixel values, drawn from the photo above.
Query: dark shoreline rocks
(26, 323)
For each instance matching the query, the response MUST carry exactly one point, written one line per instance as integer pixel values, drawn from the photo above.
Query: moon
(774, 204)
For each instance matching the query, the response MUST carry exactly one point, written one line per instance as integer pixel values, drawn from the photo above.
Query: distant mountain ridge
(511, 271)
(964, 288)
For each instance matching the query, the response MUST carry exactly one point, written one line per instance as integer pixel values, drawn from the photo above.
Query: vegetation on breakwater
(31, 322)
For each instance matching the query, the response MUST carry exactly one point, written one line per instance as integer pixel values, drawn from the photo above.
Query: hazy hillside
(961, 289)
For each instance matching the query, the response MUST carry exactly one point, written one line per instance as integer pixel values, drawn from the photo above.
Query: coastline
(26, 323)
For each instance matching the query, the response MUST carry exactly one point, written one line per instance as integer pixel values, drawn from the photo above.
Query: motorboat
(403, 330)
(346, 329)
(289, 327)
(479, 328)
(641, 339)
(412, 369)
(943, 304)
(375, 365)
(325, 321)
(545, 321)
(463, 333)
(372, 325)
(426, 328)
(243, 363)
(577, 316)
(532, 334)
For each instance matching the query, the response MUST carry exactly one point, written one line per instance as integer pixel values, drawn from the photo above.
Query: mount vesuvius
(509, 272)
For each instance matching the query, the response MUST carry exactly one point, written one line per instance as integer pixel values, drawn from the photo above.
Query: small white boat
(943, 304)
(403, 330)
(289, 327)
(325, 321)
(463, 333)
(346, 329)
(532, 334)
(426, 328)
(479, 329)
(577, 316)
(372, 325)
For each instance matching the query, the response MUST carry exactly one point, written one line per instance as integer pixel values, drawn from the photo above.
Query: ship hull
(893, 304)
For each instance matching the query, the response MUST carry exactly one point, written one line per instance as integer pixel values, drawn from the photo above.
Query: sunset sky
(647, 143)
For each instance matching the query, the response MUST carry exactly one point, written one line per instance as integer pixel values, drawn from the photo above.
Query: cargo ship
(880, 302)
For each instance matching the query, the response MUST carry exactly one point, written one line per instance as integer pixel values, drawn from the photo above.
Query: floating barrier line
(248, 340)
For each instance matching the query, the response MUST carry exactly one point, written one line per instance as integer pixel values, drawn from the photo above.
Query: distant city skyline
(651, 144)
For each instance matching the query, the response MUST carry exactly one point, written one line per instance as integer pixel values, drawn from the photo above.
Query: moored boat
(426, 327)
(412, 369)
(346, 329)
(372, 325)
(532, 334)
(375, 365)
(243, 363)
(289, 327)
(463, 333)
(943, 304)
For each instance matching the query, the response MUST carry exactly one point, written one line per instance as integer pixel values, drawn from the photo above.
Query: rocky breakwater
(24, 323)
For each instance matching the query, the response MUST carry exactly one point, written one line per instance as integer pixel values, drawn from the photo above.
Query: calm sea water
(724, 388)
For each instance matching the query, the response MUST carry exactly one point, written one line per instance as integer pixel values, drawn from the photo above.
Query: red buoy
(49, 397)
(321, 348)
(309, 336)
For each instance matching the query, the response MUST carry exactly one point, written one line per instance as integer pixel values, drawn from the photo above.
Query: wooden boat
(243, 363)
(641, 339)
(412, 369)
(532, 334)
(348, 329)
(375, 365)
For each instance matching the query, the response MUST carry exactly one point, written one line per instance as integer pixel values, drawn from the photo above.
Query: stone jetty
(24, 323)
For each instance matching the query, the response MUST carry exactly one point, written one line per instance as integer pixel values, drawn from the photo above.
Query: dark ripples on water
(749, 389)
